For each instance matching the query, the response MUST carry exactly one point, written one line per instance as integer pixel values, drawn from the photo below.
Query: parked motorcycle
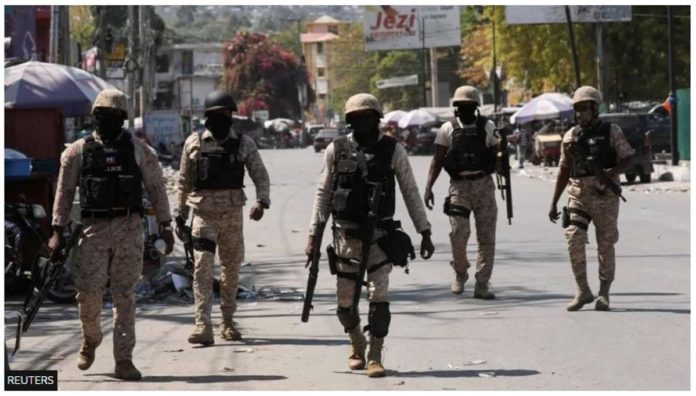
(26, 251)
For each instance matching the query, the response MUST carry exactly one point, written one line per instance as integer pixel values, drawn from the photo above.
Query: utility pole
(424, 59)
(571, 35)
(434, 86)
(131, 74)
(495, 70)
(672, 88)
(601, 63)
(145, 80)
(55, 23)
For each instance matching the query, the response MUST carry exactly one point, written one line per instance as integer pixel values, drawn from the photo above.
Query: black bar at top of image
(31, 380)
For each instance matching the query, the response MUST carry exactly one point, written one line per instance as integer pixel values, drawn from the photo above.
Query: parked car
(635, 133)
(313, 129)
(659, 131)
(323, 138)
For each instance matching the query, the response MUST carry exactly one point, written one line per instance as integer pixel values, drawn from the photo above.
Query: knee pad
(347, 318)
(203, 244)
(378, 319)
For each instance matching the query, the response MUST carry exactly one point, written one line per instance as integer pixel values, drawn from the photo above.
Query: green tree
(81, 25)
(352, 67)
(263, 76)
(398, 64)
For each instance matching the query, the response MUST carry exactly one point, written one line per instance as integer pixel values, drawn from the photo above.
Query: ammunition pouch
(204, 245)
(565, 217)
(331, 255)
(455, 210)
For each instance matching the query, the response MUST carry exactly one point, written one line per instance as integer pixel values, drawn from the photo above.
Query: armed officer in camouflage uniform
(350, 164)
(589, 199)
(466, 148)
(110, 168)
(211, 183)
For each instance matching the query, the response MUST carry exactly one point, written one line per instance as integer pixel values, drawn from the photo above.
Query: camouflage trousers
(224, 228)
(377, 279)
(111, 250)
(478, 196)
(603, 210)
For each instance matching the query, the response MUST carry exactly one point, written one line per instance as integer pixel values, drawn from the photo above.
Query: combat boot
(85, 357)
(374, 358)
(125, 370)
(602, 303)
(202, 334)
(358, 344)
(481, 291)
(229, 332)
(458, 282)
(583, 295)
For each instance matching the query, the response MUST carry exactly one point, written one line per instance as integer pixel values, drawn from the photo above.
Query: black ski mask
(219, 125)
(466, 112)
(109, 126)
(365, 128)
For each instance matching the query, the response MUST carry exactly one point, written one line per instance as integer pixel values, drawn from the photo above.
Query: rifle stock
(313, 263)
(503, 174)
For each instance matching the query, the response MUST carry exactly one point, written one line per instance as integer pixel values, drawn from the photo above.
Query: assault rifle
(580, 156)
(183, 232)
(503, 172)
(313, 264)
(367, 231)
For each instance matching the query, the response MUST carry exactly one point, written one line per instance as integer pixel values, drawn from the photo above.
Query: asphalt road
(523, 340)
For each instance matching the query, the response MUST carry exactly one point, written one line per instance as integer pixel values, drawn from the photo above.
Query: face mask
(109, 127)
(466, 112)
(219, 125)
(365, 129)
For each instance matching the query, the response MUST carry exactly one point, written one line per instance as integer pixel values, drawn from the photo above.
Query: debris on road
(173, 350)
(474, 362)
(227, 369)
(244, 350)
(487, 374)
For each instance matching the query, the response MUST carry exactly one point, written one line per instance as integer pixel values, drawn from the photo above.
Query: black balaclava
(219, 125)
(365, 128)
(466, 112)
(109, 126)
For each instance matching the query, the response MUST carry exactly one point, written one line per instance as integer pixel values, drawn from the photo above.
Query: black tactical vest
(469, 151)
(351, 190)
(596, 143)
(219, 167)
(110, 178)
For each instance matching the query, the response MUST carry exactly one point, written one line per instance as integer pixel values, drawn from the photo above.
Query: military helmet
(586, 93)
(219, 100)
(466, 93)
(363, 101)
(110, 101)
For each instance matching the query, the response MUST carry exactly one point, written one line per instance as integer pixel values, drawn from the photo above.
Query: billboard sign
(164, 126)
(524, 15)
(399, 27)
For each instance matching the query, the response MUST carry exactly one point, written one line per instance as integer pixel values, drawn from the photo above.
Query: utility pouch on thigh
(565, 217)
(455, 210)
(203, 244)
(398, 247)
(331, 255)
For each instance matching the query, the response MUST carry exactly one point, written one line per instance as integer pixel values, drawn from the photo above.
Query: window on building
(320, 48)
(187, 63)
(333, 29)
(321, 72)
(322, 96)
(162, 63)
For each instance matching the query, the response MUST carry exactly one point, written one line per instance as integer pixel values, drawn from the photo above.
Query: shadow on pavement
(629, 310)
(203, 379)
(462, 373)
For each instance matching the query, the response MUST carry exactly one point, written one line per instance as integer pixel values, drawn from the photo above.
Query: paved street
(523, 340)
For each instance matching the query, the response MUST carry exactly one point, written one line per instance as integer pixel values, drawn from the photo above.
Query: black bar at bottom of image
(31, 380)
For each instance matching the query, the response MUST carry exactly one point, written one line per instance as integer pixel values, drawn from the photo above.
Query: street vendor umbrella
(38, 84)
(545, 107)
(393, 117)
(416, 118)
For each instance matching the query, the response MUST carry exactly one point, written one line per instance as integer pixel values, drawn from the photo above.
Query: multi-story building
(185, 74)
(316, 47)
